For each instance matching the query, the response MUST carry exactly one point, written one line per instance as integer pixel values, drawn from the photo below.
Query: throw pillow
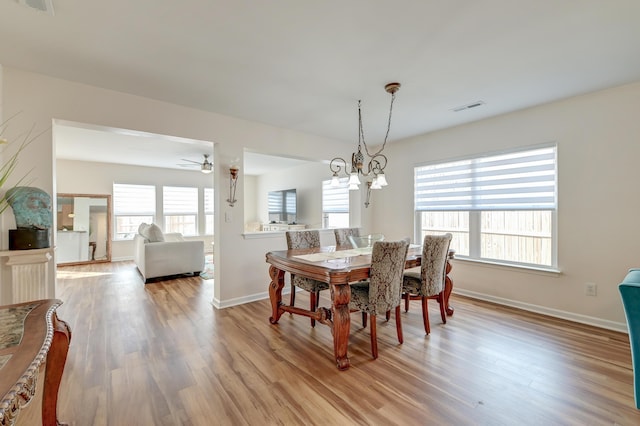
(143, 230)
(155, 234)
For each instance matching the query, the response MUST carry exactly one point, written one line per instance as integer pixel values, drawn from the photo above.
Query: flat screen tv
(283, 206)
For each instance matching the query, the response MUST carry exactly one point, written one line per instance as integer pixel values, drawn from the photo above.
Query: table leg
(56, 358)
(341, 296)
(448, 288)
(275, 293)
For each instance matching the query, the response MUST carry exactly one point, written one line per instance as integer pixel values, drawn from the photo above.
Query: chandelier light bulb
(353, 179)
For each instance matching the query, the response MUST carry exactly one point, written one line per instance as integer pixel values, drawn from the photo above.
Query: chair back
(302, 239)
(630, 294)
(435, 250)
(388, 259)
(343, 234)
(365, 240)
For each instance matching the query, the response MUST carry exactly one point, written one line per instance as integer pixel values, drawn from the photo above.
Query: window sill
(511, 267)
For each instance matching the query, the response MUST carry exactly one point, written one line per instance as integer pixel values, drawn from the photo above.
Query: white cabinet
(72, 246)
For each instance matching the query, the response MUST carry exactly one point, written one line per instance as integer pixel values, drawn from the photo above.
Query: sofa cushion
(143, 229)
(173, 236)
(151, 233)
(155, 234)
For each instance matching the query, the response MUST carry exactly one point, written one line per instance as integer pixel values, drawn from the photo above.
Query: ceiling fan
(205, 167)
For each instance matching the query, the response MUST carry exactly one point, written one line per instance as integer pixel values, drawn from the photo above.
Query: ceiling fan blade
(191, 161)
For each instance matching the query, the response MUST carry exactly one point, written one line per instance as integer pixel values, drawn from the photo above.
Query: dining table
(339, 266)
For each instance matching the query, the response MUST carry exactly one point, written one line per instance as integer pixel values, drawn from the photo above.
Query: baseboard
(242, 300)
(583, 319)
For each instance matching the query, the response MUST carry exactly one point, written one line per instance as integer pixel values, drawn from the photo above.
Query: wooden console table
(33, 350)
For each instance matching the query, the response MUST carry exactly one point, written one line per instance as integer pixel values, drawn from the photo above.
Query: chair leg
(364, 319)
(387, 315)
(406, 298)
(313, 304)
(443, 314)
(374, 338)
(292, 301)
(425, 315)
(399, 325)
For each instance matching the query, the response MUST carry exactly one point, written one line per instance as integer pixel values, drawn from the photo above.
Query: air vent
(45, 6)
(468, 106)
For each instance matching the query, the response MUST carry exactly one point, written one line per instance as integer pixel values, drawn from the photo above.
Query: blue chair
(630, 293)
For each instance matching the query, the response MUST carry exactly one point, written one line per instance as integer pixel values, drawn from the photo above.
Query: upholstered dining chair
(426, 281)
(343, 234)
(630, 292)
(302, 240)
(383, 291)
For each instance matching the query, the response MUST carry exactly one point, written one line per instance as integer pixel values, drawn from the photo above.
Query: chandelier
(374, 168)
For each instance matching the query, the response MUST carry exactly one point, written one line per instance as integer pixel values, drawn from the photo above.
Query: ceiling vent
(468, 106)
(45, 6)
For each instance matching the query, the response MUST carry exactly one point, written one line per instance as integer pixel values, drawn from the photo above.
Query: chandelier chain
(361, 134)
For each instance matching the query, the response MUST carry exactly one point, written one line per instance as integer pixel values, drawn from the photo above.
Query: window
(132, 205)
(208, 211)
(499, 207)
(335, 204)
(180, 209)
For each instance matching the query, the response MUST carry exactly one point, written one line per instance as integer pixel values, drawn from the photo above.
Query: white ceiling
(303, 65)
(77, 141)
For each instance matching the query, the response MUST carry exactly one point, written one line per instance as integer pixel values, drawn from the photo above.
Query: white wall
(43, 99)
(2, 117)
(598, 175)
(251, 217)
(307, 180)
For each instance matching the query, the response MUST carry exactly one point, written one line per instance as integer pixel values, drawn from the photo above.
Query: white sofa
(160, 255)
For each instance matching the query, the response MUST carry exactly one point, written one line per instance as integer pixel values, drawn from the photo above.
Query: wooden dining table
(337, 266)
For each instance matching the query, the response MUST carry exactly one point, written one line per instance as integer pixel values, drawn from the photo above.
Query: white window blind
(134, 200)
(335, 200)
(179, 200)
(208, 200)
(290, 201)
(275, 202)
(521, 180)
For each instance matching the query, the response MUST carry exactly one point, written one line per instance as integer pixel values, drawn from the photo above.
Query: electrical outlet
(590, 289)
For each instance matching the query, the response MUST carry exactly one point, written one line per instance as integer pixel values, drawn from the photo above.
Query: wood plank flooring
(160, 354)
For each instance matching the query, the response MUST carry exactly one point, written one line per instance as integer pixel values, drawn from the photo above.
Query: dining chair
(302, 240)
(358, 241)
(342, 235)
(630, 293)
(426, 281)
(383, 291)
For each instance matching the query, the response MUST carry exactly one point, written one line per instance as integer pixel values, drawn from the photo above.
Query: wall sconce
(233, 181)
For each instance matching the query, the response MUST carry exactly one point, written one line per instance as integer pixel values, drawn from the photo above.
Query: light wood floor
(160, 354)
